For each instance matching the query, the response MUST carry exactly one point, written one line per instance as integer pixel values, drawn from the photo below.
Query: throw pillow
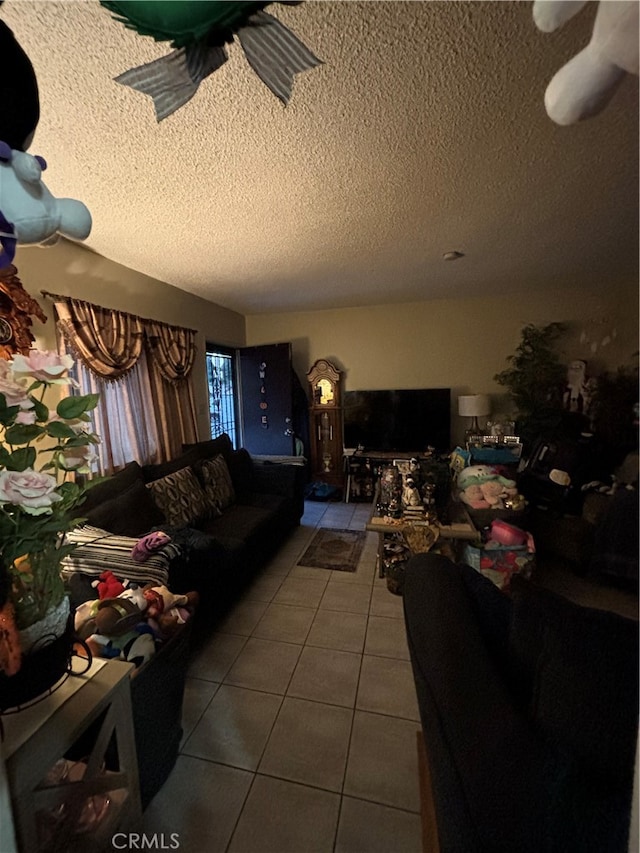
(112, 487)
(217, 484)
(210, 448)
(99, 551)
(240, 467)
(162, 469)
(180, 497)
(131, 513)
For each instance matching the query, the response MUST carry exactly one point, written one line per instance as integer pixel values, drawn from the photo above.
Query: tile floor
(300, 716)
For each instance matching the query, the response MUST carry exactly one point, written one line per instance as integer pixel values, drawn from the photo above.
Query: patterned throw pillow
(180, 497)
(217, 484)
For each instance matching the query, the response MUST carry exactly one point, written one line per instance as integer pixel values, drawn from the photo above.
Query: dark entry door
(266, 399)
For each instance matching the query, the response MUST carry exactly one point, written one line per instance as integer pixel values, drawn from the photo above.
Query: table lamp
(473, 406)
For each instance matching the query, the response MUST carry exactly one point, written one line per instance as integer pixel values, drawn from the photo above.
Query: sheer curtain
(124, 418)
(142, 371)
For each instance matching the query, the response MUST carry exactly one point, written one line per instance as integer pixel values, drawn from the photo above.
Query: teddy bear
(494, 492)
(584, 86)
(116, 616)
(112, 615)
(472, 495)
(167, 611)
(483, 487)
(160, 599)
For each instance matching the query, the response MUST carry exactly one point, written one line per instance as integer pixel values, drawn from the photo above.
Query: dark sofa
(529, 711)
(219, 555)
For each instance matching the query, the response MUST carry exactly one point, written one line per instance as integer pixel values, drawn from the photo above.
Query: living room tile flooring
(300, 715)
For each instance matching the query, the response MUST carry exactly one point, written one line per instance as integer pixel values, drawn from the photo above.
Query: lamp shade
(474, 406)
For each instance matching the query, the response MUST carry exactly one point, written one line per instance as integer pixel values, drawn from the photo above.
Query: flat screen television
(404, 421)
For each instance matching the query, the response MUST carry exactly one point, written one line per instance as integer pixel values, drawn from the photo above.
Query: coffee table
(416, 533)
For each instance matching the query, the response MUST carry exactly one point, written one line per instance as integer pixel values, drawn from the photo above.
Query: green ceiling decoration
(199, 31)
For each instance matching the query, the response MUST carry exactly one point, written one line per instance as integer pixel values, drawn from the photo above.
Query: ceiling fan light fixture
(452, 256)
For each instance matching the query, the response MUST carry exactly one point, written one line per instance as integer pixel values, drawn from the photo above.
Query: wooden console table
(50, 815)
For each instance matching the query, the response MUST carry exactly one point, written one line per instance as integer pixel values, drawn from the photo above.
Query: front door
(266, 399)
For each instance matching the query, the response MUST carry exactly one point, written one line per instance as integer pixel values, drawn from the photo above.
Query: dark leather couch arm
(272, 478)
(490, 774)
(286, 481)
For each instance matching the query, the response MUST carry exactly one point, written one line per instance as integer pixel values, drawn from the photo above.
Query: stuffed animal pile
(484, 487)
(127, 624)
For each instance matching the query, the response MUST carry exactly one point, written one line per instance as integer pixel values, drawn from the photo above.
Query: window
(222, 384)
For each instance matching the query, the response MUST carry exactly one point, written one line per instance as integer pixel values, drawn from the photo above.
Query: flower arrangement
(39, 450)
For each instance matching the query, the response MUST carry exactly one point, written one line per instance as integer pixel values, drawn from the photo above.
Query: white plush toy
(29, 213)
(584, 86)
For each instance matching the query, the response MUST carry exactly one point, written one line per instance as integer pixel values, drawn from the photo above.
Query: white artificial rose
(44, 365)
(33, 491)
(15, 391)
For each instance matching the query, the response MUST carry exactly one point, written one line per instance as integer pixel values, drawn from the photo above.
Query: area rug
(334, 549)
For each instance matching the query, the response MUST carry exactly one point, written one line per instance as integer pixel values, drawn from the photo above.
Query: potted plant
(40, 449)
(535, 379)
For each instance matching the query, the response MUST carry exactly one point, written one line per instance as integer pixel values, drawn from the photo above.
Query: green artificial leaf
(7, 413)
(7, 526)
(42, 411)
(57, 429)
(92, 401)
(23, 433)
(81, 440)
(21, 459)
(70, 492)
(72, 407)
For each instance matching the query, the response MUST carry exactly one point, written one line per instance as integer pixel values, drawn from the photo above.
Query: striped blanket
(100, 551)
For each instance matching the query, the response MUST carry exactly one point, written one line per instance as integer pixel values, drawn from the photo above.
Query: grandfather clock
(325, 423)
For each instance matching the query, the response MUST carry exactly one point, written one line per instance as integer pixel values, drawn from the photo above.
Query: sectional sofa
(226, 514)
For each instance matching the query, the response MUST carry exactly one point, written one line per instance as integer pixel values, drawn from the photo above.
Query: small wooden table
(47, 815)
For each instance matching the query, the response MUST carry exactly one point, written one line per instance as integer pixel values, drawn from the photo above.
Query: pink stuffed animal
(149, 544)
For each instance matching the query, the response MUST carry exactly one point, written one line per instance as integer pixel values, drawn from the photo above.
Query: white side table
(74, 815)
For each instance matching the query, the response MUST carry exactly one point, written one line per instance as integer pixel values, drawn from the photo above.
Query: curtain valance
(172, 348)
(109, 342)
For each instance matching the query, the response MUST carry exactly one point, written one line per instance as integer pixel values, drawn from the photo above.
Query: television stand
(362, 469)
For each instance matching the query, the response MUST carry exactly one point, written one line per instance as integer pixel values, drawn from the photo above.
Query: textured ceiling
(423, 131)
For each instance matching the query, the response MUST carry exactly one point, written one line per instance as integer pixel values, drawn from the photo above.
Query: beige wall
(72, 270)
(459, 344)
